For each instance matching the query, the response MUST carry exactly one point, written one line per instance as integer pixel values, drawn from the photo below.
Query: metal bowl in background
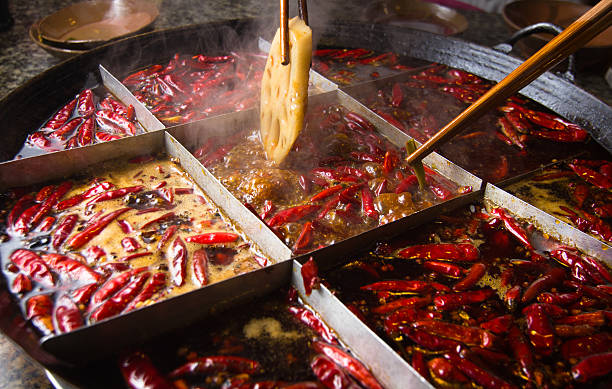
(60, 52)
(596, 55)
(417, 15)
(88, 24)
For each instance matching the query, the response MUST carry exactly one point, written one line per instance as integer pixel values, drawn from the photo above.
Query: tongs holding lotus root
(284, 85)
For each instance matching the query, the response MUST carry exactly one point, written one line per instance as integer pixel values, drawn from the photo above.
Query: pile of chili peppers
(85, 121)
(472, 298)
(81, 251)
(348, 66)
(194, 87)
(583, 185)
(277, 345)
(342, 178)
(520, 130)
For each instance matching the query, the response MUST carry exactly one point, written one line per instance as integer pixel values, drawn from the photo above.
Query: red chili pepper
(443, 268)
(592, 367)
(20, 206)
(595, 318)
(114, 284)
(330, 374)
(94, 253)
(178, 261)
(559, 298)
(213, 238)
(78, 240)
(48, 204)
(292, 214)
(200, 266)
(419, 364)
(397, 95)
(119, 301)
(304, 240)
(569, 331)
(325, 193)
(44, 192)
(509, 131)
(365, 157)
(310, 276)
(33, 266)
(67, 129)
(592, 176)
(474, 275)
(86, 132)
(586, 345)
(113, 194)
(455, 300)
(398, 286)
(67, 315)
(450, 251)
(162, 218)
(512, 226)
(215, 364)
(347, 362)
(311, 320)
(61, 116)
(498, 325)
(552, 278)
(83, 294)
(390, 161)
(348, 194)
(21, 284)
(85, 105)
(429, 341)
(540, 330)
(156, 283)
(97, 188)
(72, 268)
(481, 376)
(446, 371)
(402, 303)
(130, 244)
(471, 336)
(102, 136)
(367, 203)
(39, 305)
(139, 372)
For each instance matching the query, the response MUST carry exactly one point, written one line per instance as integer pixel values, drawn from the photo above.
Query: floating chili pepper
(114, 284)
(67, 315)
(481, 376)
(72, 268)
(20, 206)
(213, 238)
(450, 251)
(471, 336)
(444, 370)
(217, 363)
(443, 268)
(398, 286)
(512, 226)
(311, 320)
(552, 278)
(586, 345)
(454, 300)
(304, 240)
(48, 204)
(429, 341)
(178, 261)
(331, 375)
(310, 276)
(349, 363)
(498, 325)
(540, 330)
(155, 284)
(592, 367)
(61, 116)
(21, 284)
(200, 266)
(114, 194)
(119, 301)
(325, 193)
(83, 237)
(85, 104)
(33, 266)
(140, 373)
(292, 214)
(402, 303)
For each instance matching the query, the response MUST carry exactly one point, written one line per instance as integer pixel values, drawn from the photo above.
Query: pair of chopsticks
(571, 39)
(284, 25)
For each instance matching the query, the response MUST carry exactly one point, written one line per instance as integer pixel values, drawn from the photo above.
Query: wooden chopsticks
(284, 25)
(571, 39)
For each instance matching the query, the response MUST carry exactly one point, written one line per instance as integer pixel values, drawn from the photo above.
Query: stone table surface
(21, 59)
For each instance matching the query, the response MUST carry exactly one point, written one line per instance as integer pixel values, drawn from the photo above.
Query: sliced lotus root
(284, 91)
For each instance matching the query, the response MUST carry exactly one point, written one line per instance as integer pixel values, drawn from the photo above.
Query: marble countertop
(21, 59)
